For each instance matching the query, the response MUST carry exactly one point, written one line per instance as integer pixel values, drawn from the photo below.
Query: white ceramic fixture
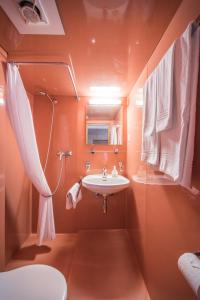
(33, 282)
(105, 186)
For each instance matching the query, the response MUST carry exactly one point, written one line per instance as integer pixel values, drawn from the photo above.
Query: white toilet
(33, 282)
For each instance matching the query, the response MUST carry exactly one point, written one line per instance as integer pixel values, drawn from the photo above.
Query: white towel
(187, 170)
(150, 140)
(113, 135)
(119, 135)
(174, 141)
(74, 195)
(189, 265)
(165, 80)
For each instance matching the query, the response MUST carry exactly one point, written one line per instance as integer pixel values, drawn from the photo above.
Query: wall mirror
(104, 124)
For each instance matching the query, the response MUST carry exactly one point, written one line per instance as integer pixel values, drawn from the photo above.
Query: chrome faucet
(104, 173)
(62, 154)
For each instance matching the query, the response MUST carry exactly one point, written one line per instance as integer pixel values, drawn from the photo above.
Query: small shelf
(153, 179)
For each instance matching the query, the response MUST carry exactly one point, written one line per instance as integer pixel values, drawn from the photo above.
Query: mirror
(104, 124)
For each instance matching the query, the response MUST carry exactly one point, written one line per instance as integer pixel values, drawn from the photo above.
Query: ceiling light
(105, 101)
(105, 91)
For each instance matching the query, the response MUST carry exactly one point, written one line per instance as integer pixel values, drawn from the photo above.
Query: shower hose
(48, 151)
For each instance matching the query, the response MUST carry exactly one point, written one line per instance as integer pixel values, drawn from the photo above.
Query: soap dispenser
(114, 172)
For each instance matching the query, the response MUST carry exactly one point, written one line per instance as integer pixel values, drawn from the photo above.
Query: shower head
(42, 93)
(51, 98)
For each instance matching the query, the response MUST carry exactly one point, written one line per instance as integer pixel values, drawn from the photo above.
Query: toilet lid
(33, 282)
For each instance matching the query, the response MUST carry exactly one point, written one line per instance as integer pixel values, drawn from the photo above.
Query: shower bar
(196, 24)
(19, 63)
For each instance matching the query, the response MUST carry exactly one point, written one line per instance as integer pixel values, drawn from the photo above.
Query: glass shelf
(153, 179)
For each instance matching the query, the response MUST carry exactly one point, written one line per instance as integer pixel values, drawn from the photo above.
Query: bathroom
(132, 243)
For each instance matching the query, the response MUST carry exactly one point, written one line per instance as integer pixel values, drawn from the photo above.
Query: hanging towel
(150, 139)
(187, 169)
(119, 135)
(113, 136)
(174, 142)
(74, 195)
(165, 83)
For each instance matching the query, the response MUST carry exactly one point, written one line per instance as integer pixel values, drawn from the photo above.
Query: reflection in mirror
(98, 133)
(104, 124)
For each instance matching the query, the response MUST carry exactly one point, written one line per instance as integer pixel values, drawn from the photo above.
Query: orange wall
(70, 134)
(15, 200)
(163, 221)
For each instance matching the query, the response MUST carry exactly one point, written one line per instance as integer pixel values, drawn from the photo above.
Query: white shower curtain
(22, 122)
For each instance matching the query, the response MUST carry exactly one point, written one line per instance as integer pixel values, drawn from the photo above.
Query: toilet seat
(33, 282)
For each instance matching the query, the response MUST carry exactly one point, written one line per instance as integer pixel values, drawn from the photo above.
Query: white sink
(110, 185)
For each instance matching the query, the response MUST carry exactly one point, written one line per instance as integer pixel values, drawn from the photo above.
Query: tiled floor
(97, 264)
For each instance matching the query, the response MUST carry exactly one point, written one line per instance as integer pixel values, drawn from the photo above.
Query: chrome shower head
(42, 93)
(51, 98)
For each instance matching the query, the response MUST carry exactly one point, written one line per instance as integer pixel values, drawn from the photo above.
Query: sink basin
(110, 185)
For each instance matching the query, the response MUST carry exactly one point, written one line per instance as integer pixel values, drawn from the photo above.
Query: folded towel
(174, 141)
(150, 139)
(74, 195)
(165, 84)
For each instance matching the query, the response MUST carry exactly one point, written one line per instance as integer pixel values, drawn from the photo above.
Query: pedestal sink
(105, 186)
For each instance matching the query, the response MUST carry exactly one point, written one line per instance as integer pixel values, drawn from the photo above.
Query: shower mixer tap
(62, 154)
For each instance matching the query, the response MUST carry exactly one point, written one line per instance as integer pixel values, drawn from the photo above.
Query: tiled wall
(163, 221)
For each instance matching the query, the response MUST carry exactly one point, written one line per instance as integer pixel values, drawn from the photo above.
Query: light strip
(105, 91)
(105, 101)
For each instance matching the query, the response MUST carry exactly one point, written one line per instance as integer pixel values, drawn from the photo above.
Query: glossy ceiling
(109, 42)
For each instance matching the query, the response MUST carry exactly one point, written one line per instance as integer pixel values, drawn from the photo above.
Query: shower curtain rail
(196, 24)
(19, 63)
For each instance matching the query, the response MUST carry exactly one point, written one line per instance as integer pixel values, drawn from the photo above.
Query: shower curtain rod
(51, 63)
(196, 24)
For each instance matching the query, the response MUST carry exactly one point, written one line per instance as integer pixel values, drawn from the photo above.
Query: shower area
(24, 191)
